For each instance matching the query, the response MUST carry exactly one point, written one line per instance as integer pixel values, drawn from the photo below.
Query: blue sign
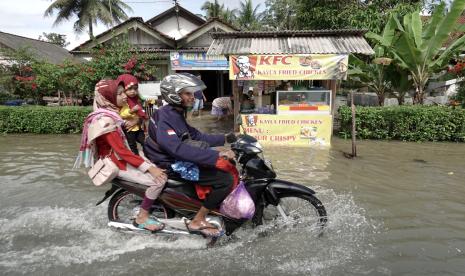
(198, 61)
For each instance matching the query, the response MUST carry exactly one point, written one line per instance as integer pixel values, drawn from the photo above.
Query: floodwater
(397, 209)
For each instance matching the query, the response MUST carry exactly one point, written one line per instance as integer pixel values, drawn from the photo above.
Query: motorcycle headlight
(257, 145)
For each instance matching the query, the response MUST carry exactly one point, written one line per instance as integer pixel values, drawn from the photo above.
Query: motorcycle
(178, 202)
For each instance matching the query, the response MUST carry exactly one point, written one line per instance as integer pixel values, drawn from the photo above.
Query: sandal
(200, 231)
(148, 222)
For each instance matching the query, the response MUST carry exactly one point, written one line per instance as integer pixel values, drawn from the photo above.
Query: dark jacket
(167, 129)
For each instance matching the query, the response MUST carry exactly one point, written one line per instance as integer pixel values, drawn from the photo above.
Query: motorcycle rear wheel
(298, 209)
(124, 207)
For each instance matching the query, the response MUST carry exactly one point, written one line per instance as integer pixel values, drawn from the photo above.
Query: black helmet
(172, 85)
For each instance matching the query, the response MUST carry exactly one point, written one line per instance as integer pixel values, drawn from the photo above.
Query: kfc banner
(288, 67)
(289, 130)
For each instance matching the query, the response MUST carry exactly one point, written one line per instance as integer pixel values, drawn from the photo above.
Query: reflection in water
(388, 214)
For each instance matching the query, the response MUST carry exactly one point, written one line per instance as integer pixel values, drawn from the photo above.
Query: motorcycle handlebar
(231, 138)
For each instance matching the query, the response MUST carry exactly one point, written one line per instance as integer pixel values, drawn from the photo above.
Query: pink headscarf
(126, 81)
(104, 106)
(105, 95)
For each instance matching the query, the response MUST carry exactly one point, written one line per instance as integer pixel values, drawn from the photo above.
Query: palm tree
(212, 9)
(229, 16)
(248, 16)
(88, 12)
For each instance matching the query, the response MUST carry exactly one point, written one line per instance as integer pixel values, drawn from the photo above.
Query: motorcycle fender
(278, 187)
(108, 193)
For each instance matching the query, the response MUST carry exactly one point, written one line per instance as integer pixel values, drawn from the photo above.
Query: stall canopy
(290, 42)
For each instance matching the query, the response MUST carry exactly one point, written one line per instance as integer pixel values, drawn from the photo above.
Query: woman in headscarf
(103, 136)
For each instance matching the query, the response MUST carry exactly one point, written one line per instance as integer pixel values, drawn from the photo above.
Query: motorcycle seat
(171, 183)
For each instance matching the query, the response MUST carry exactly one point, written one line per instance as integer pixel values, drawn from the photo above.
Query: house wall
(170, 27)
(204, 40)
(144, 40)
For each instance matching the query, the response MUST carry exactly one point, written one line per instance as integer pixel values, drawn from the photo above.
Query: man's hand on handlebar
(230, 137)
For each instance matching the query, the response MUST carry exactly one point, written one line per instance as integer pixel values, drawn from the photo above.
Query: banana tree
(419, 49)
(401, 82)
(373, 74)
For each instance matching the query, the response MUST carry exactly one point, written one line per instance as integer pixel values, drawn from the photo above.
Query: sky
(25, 17)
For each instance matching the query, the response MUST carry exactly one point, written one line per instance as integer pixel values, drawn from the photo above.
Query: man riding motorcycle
(172, 141)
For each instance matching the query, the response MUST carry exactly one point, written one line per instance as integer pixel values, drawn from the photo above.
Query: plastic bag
(238, 204)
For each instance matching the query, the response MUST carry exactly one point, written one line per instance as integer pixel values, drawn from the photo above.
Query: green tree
(19, 78)
(214, 9)
(343, 14)
(249, 17)
(400, 80)
(88, 12)
(29, 77)
(54, 38)
(280, 14)
(419, 49)
(380, 74)
(111, 60)
(229, 16)
(373, 74)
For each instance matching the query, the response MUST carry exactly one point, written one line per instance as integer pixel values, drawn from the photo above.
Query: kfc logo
(273, 60)
(244, 67)
(251, 120)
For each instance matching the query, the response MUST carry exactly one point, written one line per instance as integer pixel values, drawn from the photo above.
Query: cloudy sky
(25, 17)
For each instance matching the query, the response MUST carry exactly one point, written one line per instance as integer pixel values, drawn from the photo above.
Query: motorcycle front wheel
(296, 209)
(124, 207)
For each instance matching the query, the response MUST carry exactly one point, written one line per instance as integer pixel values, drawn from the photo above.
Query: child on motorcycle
(132, 112)
(170, 140)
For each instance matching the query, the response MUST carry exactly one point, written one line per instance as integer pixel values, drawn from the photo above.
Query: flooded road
(398, 209)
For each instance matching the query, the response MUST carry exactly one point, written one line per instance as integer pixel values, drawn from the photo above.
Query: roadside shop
(284, 83)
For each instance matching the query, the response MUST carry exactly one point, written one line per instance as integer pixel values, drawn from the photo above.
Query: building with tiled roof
(49, 52)
(175, 32)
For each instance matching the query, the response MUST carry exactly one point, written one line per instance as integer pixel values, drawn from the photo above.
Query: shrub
(31, 77)
(42, 119)
(461, 94)
(406, 123)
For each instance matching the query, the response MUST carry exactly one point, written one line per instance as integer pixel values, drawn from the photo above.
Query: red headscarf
(126, 81)
(107, 88)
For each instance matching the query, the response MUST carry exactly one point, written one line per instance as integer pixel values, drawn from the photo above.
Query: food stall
(292, 77)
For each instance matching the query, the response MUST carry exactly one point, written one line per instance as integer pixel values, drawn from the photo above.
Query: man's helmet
(172, 85)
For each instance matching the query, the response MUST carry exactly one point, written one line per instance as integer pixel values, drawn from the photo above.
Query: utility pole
(176, 8)
(354, 131)
(111, 14)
